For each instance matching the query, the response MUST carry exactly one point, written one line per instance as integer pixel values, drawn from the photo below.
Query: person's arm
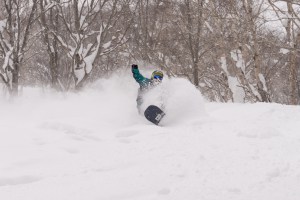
(138, 76)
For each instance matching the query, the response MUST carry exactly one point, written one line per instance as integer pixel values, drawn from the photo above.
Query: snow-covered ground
(93, 145)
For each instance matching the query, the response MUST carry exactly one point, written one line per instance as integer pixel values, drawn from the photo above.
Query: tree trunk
(293, 73)
(15, 76)
(54, 70)
(194, 38)
(196, 74)
(293, 42)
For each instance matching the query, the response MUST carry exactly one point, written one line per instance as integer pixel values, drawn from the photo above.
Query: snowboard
(154, 114)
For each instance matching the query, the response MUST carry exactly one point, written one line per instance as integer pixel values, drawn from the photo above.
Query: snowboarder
(145, 83)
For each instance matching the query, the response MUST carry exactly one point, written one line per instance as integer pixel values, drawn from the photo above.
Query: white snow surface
(93, 145)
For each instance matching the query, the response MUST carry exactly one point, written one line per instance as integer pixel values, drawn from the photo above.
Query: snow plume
(178, 98)
(115, 100)
(184, 101)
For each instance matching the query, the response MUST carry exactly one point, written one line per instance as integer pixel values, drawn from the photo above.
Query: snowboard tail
(154, 114)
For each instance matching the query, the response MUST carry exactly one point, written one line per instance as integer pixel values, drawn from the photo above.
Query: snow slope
(94, 146)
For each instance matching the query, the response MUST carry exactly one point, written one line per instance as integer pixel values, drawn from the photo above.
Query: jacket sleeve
(140, 78)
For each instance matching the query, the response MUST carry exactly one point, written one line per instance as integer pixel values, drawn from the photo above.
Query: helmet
(157, 75)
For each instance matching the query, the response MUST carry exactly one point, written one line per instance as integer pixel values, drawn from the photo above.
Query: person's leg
(139, 102)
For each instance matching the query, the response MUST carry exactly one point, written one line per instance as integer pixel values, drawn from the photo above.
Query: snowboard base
(154, 114)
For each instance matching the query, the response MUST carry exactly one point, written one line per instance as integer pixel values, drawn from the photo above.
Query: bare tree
(150, 32)
(91, 31)
(190, 26)
(237, 28)
(14, 36)
(223, 47)
(252, 17)
(290, 19)
(49, 20)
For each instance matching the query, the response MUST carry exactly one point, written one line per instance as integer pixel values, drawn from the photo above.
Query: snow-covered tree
(237, 27)
(49, 21)
(89, 31)
(149, 35)
(288, 13)
(15, 25)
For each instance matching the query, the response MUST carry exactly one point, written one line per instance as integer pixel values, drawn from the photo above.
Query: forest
(231, 50)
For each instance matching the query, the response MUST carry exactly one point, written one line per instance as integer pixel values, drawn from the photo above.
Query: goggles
(157, 77)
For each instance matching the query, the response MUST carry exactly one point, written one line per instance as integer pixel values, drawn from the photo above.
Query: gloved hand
(134, 66)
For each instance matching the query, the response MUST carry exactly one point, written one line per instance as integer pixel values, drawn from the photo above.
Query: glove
(134, 66)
